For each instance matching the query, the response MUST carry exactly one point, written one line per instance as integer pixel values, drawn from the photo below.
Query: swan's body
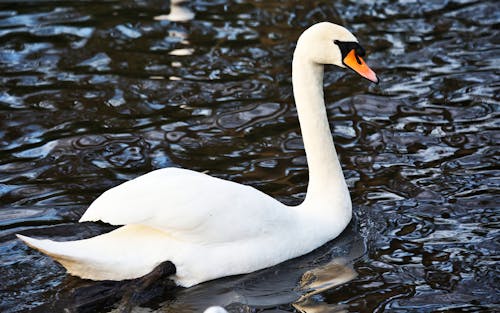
(209, 227)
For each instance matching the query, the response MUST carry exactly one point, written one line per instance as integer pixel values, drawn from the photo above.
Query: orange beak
(357, 64)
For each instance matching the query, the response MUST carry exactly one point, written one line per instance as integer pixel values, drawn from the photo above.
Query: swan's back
(190, 206)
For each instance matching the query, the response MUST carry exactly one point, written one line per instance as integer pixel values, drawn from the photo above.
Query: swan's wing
(191, 206)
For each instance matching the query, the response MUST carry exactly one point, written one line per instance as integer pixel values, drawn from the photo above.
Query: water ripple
(96, 93)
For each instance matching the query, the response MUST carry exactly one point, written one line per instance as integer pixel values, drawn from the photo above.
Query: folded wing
(192, 206)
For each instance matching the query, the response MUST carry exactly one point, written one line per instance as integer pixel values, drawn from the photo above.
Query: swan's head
(328, 43)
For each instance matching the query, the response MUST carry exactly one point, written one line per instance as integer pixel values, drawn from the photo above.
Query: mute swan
(209, 227)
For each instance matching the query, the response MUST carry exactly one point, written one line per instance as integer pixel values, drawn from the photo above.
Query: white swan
(209, 227)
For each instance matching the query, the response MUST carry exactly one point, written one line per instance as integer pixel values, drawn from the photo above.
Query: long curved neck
(327, 187)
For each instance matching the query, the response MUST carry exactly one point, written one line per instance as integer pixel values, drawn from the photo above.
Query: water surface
(94, 93)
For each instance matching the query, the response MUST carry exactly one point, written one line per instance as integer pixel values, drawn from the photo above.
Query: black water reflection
(93, 93)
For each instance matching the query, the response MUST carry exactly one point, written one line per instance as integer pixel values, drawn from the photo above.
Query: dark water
(93, 93)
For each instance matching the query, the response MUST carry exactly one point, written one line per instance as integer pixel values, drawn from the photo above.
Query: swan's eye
(347, 46)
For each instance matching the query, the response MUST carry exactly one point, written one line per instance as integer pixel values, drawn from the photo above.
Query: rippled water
(94, 93)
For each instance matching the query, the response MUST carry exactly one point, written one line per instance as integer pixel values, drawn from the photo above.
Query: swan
(210, 227)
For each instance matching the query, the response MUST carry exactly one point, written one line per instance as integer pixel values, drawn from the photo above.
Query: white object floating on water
(178, 12)
(215, 309)
(209, 227)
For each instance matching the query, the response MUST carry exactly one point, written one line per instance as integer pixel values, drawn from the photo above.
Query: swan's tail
(128, 252)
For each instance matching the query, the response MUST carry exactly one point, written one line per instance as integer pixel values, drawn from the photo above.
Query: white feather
(197, 212)
(215, 309)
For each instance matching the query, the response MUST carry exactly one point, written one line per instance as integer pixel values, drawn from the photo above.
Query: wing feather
(190, 206)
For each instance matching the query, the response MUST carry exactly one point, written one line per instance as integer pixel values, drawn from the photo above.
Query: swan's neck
(327, 188)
